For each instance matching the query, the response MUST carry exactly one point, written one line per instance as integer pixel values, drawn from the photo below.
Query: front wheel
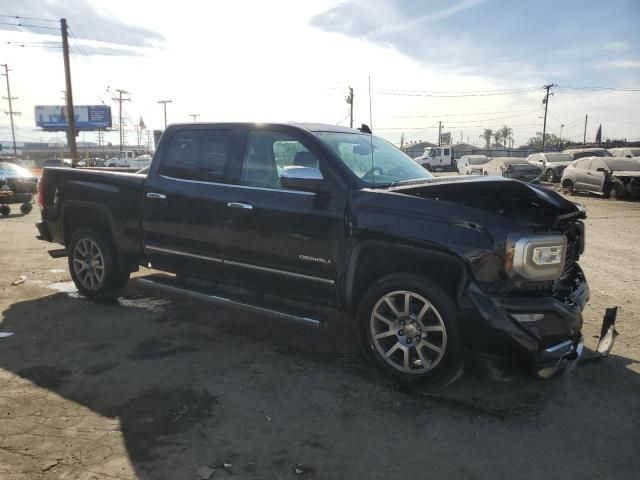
(93, 264)
(408, 327)
(615, 190)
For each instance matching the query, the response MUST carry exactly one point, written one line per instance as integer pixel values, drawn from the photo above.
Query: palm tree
(497, 136)
(487, 134)
(507, 134)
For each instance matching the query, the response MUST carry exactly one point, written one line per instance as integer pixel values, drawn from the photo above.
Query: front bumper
(544, 331)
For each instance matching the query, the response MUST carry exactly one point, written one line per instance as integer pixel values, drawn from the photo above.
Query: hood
(622, 173)
(501, 196)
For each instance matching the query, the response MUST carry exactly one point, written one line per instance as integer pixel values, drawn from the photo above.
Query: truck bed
(115, 195)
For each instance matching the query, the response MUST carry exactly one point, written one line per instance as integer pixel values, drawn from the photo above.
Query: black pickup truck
(282, 218)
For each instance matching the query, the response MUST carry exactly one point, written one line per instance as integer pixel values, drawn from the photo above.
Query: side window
(597, 163)
(197, 155)
(583, 164)
(267, 154)
(446, 151)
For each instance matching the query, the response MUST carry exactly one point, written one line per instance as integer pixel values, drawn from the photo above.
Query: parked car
(471, 164)
(283, 219)
(628, 152)
(551, 163)
(610, 176)
(17, 185)
(517, 168)
(577, 153)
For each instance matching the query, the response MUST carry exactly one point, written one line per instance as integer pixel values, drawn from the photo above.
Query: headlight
(536, 257)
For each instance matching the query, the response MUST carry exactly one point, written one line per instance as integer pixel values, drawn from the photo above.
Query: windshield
(622, 165)
(386, 165)
(478, 160)
(14, 170)
(558, 157)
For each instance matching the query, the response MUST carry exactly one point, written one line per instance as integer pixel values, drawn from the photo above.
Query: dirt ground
(158, 387)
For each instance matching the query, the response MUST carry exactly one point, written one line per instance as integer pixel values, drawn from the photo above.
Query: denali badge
(308, 258)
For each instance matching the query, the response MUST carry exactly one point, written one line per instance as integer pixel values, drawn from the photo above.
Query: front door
(283, 241)
(184, 202)
(595, 180)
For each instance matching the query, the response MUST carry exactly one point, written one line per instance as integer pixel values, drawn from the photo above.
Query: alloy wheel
(88, 264)
(408, 332)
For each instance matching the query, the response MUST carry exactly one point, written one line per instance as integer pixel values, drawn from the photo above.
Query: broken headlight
(536, 257)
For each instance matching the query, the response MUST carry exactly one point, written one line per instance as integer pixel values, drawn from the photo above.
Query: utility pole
(584, 138)
(11, 112)
(195, 116)
(546, 106)
(439, 132)
(561, 127)
(120, 99)
(349, 99)
(71, 118)
(164, 104)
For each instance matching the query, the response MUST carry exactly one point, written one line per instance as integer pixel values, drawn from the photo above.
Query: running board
(211, 298)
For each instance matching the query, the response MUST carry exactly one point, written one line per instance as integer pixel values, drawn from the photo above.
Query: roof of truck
(309, 126)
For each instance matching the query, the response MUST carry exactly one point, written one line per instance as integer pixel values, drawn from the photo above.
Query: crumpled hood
(505, 197)
(629, 173)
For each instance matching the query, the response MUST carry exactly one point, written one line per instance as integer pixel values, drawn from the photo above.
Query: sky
(471, 64)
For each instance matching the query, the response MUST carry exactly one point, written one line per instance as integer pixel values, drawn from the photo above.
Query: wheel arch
(370, 260)
(78, 214)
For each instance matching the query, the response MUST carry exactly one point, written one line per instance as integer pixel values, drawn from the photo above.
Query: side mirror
(303, 178)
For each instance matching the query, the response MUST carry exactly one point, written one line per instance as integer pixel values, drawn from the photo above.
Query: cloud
(622, 63)
(84, 20)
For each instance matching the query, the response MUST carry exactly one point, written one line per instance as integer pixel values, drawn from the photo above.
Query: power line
(438, 115)
(31, 18)
(23, 25)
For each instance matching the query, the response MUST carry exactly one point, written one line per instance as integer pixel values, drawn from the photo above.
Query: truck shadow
(197, 385)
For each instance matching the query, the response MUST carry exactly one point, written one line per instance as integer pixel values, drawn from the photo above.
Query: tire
(567, 185)
(93, 264)
(26, 208)
(615, 190)
(485, 174)
(382, 331)
(5, 210)
(550, 177)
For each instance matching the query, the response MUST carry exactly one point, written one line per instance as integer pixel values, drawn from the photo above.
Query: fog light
(547, 255)
(528, 317)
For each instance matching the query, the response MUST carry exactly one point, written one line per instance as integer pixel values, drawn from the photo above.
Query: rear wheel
(408, 327)
(93, 264)
(5, 210)
(550, 176)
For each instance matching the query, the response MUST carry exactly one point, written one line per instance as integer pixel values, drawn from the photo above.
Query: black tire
(101, 252)
(615, 190)
(485, 174)
(5, 210)
(441, 368)
(567, 185)
(26, 208)
(550, 176)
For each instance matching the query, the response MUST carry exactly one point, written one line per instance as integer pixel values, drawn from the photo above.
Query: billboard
(445, 138)
(88, 117)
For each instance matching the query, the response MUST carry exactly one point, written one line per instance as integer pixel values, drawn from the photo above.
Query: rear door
(184, 201)
(284, 241)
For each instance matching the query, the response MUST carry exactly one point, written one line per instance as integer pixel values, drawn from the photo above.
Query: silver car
(609, 176)
(517, 168)
(628, 152)
(552, 164)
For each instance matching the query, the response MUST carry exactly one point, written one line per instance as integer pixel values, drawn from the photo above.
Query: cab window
(197, 155)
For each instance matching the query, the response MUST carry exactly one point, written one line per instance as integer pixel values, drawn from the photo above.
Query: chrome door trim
(182, 253)
(280, 272)
(200, 182)
(242, 205)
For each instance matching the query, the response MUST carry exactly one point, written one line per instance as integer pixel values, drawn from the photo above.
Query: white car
(471, 164)
(551, 163)
(629, 152)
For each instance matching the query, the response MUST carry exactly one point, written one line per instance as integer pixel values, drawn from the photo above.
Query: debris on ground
(5, 334)
(227, 465)
(205, 473)
(19, 281)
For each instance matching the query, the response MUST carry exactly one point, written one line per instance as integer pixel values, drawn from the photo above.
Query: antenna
(373, 176)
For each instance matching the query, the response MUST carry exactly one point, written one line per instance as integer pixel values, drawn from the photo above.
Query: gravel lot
(157, 387)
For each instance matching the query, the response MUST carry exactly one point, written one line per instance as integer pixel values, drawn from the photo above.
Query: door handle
(160, 196)
(244, 206)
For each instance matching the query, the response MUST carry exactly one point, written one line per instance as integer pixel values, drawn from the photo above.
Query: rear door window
(200, 154)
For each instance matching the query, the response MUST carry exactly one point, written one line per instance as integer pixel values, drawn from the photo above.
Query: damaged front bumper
(544, 331)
